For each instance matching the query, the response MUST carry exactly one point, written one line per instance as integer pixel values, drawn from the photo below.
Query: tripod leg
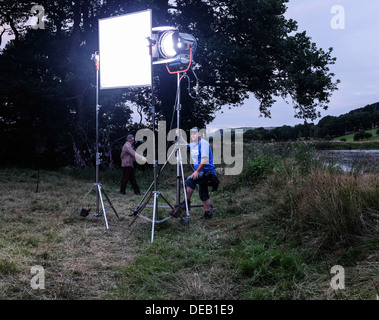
(141, 207)
(154, 215)
(167, 201)
(145, 195)
(142, 204)
(135, 218)
(111, 204)
(157, 177)
(102, 204)
(184, 187)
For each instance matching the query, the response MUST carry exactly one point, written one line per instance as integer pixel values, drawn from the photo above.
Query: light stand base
(155, 206)
(84, 211)
(149, 194)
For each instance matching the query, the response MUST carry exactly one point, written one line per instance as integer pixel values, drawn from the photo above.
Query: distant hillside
(252, 128)
(371, 108)
(366, 118)
(210, 132)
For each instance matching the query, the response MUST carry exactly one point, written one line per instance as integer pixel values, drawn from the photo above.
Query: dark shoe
(122, 192)
(207, 216)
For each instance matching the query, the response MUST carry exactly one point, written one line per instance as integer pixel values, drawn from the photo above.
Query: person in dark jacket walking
(128, 155)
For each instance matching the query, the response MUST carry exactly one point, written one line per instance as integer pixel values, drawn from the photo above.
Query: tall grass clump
(318, 207)
(262, 160)
(330, 210)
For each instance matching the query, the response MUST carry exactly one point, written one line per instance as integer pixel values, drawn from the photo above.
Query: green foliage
(362, 135)
(259, 168)
(303, 157)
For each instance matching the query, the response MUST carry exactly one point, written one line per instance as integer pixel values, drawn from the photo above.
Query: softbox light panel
(124, 50)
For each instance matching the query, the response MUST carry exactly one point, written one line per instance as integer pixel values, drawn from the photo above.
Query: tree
(243, 47)
(13, 18)
(284, 133)
(362, 135)
(249, 46)
(248, 135)
(48, 89)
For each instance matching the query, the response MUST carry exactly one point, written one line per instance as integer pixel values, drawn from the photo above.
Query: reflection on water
(351, 160)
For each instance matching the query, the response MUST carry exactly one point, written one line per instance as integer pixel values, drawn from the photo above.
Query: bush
(259, 168)
(362, 135)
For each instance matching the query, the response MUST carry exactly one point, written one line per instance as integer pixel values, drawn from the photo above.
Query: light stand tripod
(85, 211)
(180, 172)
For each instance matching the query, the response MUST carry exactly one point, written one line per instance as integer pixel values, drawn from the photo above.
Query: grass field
(277, 231)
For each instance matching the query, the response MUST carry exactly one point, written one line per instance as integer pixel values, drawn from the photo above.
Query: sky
(352, 28)
(355, 39)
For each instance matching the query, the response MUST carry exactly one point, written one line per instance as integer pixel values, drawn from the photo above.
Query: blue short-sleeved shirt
(202, 150)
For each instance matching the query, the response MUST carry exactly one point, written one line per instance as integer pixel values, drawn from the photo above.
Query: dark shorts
(202, 181)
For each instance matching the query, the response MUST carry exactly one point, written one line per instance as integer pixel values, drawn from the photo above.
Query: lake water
(348, 160)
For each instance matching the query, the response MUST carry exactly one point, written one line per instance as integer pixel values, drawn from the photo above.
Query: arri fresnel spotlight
(173, 47)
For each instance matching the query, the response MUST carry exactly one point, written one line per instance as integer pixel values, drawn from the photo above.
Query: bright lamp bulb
(173, 47)
(169, 44)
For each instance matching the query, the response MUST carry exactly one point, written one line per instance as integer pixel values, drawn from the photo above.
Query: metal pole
(179, 135)
(97, 130)
(154, 216)
(155, 162)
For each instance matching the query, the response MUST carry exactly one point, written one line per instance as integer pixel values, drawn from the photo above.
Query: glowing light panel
(125, 60)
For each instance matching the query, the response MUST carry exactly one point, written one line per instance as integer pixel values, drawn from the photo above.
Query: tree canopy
(48, 81)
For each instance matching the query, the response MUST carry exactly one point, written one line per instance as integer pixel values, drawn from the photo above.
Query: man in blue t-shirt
(202, 159)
